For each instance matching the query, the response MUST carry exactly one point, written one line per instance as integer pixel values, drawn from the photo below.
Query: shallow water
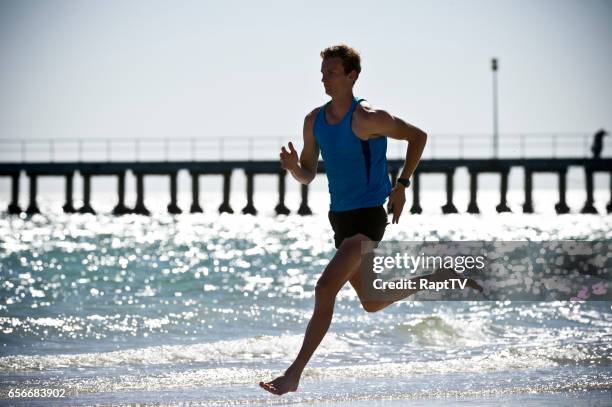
(202, 307)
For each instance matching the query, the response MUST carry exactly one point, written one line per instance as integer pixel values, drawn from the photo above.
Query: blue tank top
(356, 169)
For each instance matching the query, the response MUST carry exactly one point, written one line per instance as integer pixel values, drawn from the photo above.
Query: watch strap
(404, 181)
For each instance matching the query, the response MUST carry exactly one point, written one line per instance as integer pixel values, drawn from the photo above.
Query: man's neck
(341, 104)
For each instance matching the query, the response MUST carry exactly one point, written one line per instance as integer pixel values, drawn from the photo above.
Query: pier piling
(33, 207)
(86, 208)
(561, 206)
(416, 191)
(473, 205)
(304, 208)
(449, 207)
(528, 205)
(120, 208)
(225, 205)
(249, 209)
(195, 193)
(609, 206)
(588, 205)
(140, 207)
(13, 207)
(68, 206)
(173, 206)
(503, 206)
(280, 208)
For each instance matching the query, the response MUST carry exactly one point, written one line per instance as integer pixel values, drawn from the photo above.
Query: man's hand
(397, 199)
(289, 159)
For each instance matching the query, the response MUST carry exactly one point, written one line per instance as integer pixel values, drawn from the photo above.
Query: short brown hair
(351, 60)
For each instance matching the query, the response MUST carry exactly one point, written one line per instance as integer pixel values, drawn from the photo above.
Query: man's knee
(325, 291)
(372, 306)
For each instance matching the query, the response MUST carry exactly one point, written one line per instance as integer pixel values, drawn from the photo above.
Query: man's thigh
(345, 264)
(362, 279)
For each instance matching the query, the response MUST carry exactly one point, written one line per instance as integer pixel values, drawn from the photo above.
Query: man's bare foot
(282, 384)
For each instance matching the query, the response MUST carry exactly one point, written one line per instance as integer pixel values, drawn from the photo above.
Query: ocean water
(201, 307)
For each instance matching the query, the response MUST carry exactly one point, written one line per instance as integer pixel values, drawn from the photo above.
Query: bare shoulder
(366, 112)
(310, 117)
(364, 107)
(309, 121)
(366, 119)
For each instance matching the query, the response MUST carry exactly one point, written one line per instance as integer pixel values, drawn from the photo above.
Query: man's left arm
(379, 122)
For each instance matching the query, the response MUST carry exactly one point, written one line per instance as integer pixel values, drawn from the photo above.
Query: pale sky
(227, 68)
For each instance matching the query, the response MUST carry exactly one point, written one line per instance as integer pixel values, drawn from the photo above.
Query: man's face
(334, 79)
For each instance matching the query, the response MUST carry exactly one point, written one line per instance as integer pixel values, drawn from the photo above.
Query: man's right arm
(306, 171)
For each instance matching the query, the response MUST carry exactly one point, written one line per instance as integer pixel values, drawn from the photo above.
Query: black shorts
(368, 221)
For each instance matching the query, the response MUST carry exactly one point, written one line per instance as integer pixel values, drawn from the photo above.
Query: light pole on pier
(495, 130)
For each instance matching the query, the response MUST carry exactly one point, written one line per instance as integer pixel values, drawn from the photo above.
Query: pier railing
(520, 145)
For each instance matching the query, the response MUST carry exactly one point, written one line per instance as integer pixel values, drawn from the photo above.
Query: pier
(36, 171)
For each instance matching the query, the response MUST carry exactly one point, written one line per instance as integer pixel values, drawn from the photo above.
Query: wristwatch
(404, 181)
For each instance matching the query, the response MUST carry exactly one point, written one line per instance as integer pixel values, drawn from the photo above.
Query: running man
(351, 135)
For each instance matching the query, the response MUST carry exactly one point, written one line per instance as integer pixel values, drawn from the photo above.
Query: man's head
(340, 68)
